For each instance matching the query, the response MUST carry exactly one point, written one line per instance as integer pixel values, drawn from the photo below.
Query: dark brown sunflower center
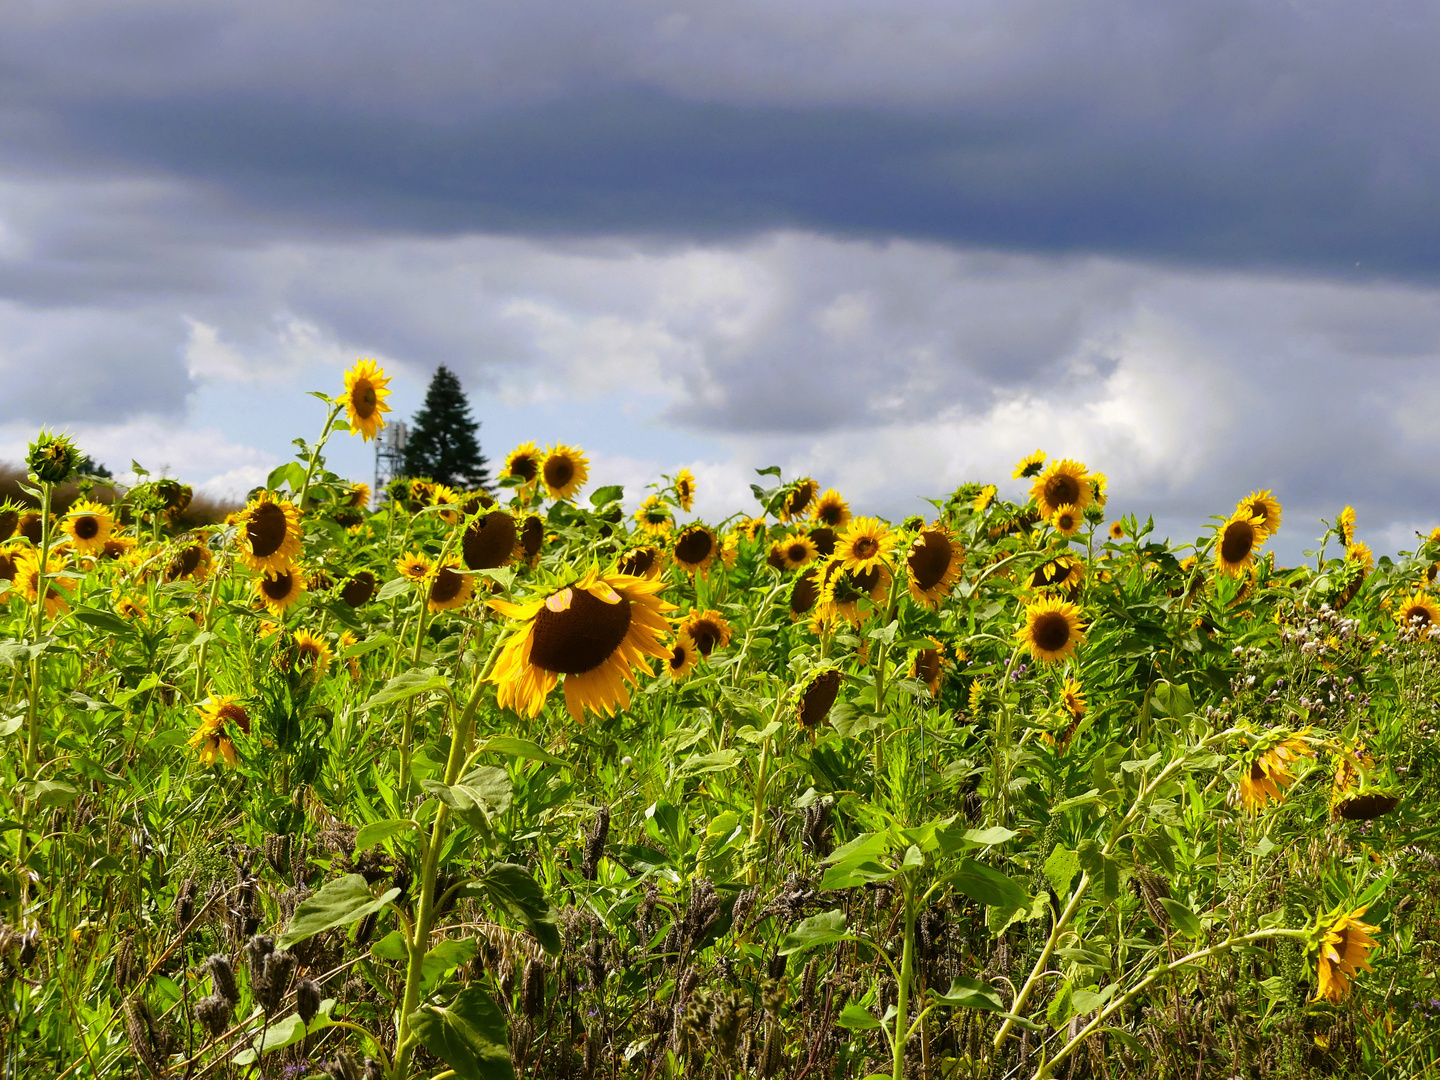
(1061, 489)
(8, 520)
(308, 651)
(928, 560)
(580, 638)
(559, 471)
(525, 468)
(278, 587)
(830, 513)
(1051, 631)
(818, 697)
(927, 665)
(1257, 772)
(637, 563)
(266, 530)
(230, 713)
(1237, 542)
(694, 546)
(446, 586)
(805, 593)
(87, 527)
(706, 635)
(532, 535)
(30, 528)
(489, 542)
(801, 499)
(865, 547)
(678, 656)
(362, 398)
(797, 553)
(1418, 614)
(7, 568)
(184, 562)
(776, 557)
(824, 541)
(359, 588)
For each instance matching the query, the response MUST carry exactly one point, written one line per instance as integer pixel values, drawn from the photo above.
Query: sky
(895, 246)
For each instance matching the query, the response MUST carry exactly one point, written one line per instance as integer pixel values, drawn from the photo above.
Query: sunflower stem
(42, 587)
(315, 451)
(205, 645)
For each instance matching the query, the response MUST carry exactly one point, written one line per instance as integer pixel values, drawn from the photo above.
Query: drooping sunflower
(1240, 538)
(831, 510)
(489, 541)
(564, 471)
(752, 529)
(842, 590)
(88, 524)
(645, 561)
(221, 719)
(523, 464)
(684, 655)
(1062, 574)
(708, 629)
(985, 498)
(815, 697)
(654, 516)
(1028, 466)
(358, 497)
(365, 394)
(1052, 630)
(1345, 525)
(132, 606)
(1355, 793)
(932, 565)
(268, 533)
(1117, 530)
(1062, 483)
(57, 584)
(1262, 505)
(311, 653)
(594, 633)
(797, 501)
(190, 562)
(1266, 770)
(796, 550)
(1418, 609)
(358, 588)
(685, 489)
(864, 544)
(695, 548)
(279, 589)
(450, 589)
(927, 666)
(531, 541)
(1344, 950)
(804, 592)
(1066, 520)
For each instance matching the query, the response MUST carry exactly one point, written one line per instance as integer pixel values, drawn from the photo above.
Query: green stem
(907, 973)
(42, 586)
(209, 621)
(315, 453)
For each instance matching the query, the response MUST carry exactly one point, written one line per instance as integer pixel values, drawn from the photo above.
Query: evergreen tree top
(442, 444)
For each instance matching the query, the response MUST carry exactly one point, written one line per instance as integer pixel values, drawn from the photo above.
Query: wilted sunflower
(815, 697)
(448, 588)
(804, 592)
(927, 665)
(364, 398)
(682, 658)
(1117, 530)
(1066, 520)
(695, 548)
(1239, 539)
(1052, 629)
(654, 516)
(685, 489)
(797, 501)
(564, 471)
(489, 541)
(268, 533)
(1265, 771)
(645, 561)
(595, 633)
(796, 550)
(221, 718)
(831, 510)
(1263, 505)
(842, 590)
(27, 581)
(1344, 949)
(933, 565)
(1354, 793)
(190, 562)
(531, 540)
(708, 629)
(1062, 483)
(1028, 466)
(132, 606)
(277, 590)
(1062, 574)
(984, 499)
(88, 524)
(358, 588)
(1418, 609)
(864, 544)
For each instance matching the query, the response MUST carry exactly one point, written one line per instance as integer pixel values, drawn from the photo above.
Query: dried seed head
(372, 1070)
(344, 1067)
(277, 853)
(256, 949)
(185, 902)
(270, 990)
(595, 844)
(213, 1012)
(307, 999)
(532, 988)
(222, 978)
(127, 964)
(772, 995)
(150, 1043)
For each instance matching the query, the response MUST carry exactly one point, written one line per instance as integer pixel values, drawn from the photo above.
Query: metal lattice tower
(390, 455)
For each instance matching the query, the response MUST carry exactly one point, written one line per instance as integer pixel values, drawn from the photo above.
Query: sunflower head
(842, 590)
(1029, 466)
(1062, 483)
(9, 518)
(804, 592)
(522, 465)
(1264, 506)
(310, 653)
(53, 458)
(1358, 792)
(865, 544)
(415, 566)
(795, 551)
(1418, 611)
(359, 587)
(815, 697)
(358, 497)
(1052, 629)
(268, 533)
(222, 719)
(655, 516)
(1342, 944)
(645, 561)
(449, 587)
(796, 503)
(531, 541)
(1063, 574)
(191, 561)
(831, 510)
(1240, 538)
(57, 584)
(752, 529)
(1117, 530)
(683, 656)
(448, 500)
(132, 606)
(564, 471)
(932, 565)
(927, 666)
(279, 589)
(1066, 520)
(489, 541)
(1360, 554)
(88, 525)
(1345, 525)
(364, 398)
(1266, 770)
(709, 630)
(685, 489)
(695, 548)
(1072, 697)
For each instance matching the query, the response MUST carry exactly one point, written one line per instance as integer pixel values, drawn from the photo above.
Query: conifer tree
(442, 443)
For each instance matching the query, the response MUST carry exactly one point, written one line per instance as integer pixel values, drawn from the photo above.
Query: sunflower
(1066, 520)
(358, 497)
(221, 716)
(419, 493)
(132, 606)
(654, 516)
(1344, 949)
(685, 489)
(9, 563)
(595, 633)
(752, 529)
(1263, 505)
(645, 561)
(1266, 771)
(414, 565)
(30, 527)
(815, 697)
(775, 557)
(1360, 554)
(729, 550)
(9, 519)
(932, 565)
(1418, 609)
(1345, 525)
(927, 665)
(358, 588)
(117, 547)
(268, 533)
(279, 589)
(27, 581)
(864, 544)
(564, 471)
(450, 589)
(531, 540)
(831, 510)
(1028, 466)
(682, 658)
(348, 639)
(1062, 574)
(707, 629)
(1354, 794)
(1062, 483)
(985, 498)
(797, 500)
(795, 551)
(364, 398)
(1072, 697)
(1117, 530)
(842, 590)
(975, 697)
(190, 562)
(825, 540)
(489, 542)
(88, 524)
(1099, 482)
(448, 500)
(311, 652)
(695, 548)
(1240, 538)
(523, 464)
(804, 592)
(1052, 629)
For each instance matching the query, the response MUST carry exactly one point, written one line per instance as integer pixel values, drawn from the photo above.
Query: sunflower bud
(52, 458)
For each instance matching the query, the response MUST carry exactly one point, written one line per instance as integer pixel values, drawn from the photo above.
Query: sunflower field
(432, 783)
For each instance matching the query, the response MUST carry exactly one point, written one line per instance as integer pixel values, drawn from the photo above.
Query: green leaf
(855, 872)
(1062, 1007)
(1060, 870)
(444, 958)
(376, 831)
(50, 792)
(857, 1018)
(827, 928)
(521, 748)
(468, 1035)
(106, 621)
(608, 494)
(341, 902)
(282, 1033)
(988, 886)
(1184, 919)
(867, 845)
(1171, 700)
(397, 586)
(719, 761)
(390, 947)
(1104, 870)
(511, 888)
(407, 685)
(996, 834)
(971, 994)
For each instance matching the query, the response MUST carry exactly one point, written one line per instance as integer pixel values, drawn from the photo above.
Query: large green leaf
(988, 886)
(407, 685)
(827, 928)
(971, 994)
(468, 1035)
(376, 831)
(521, 748)
(511, 888)
(341, 902)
